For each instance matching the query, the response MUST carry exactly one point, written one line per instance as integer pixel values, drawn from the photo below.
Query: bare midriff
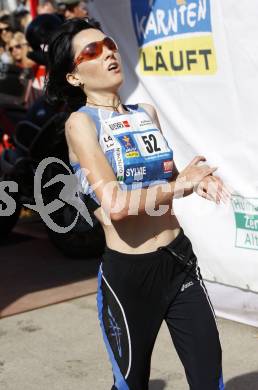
(142, 233)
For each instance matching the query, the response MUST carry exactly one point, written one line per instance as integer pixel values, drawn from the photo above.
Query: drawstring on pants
(181, 258)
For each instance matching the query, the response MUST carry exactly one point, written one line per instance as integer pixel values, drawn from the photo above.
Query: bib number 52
(150, 142)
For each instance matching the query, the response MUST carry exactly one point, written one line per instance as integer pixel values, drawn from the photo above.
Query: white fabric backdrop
(209, 109)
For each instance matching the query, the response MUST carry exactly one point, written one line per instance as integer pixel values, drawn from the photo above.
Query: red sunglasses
(94, 50)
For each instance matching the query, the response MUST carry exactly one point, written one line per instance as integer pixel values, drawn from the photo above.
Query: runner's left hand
(213, 188)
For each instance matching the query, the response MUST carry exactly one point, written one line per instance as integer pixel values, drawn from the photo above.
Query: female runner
(149, 272)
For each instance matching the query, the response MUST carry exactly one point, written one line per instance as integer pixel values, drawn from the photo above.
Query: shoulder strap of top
(135, 107)
(98, 114)
(94, 114)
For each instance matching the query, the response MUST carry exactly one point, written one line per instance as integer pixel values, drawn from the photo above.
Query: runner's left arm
(210, 187)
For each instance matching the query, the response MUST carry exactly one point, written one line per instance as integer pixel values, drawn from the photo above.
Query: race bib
(137, 148)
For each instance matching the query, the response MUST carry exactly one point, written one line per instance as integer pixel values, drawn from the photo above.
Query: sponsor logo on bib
(167, 165)
(119, 125)
(145, 122)
(129, 145)
(108, 142)
(120, 164)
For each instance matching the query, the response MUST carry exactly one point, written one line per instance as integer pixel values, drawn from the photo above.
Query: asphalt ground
(60, 347)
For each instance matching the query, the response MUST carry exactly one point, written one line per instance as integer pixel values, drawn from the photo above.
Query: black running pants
(136, 292)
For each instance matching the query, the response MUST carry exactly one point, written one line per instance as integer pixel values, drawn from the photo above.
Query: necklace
(103, 105)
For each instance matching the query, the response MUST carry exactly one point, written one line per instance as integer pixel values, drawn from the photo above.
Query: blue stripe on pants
(221, 383)
(119, 379)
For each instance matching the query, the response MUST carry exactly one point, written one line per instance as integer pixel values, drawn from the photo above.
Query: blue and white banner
(174, 37)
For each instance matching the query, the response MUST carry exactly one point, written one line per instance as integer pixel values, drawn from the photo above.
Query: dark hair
(9, 20)
(38, 34)
(61, 62)
(6, 19)
(17, 16)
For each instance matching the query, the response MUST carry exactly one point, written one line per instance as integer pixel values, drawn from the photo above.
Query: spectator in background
(73, 8)
(6, 34)
(6, 30)
(22, 5)
(50, 7)
(5, 57)
(46, 7)
(22, 18)
(18, 49)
